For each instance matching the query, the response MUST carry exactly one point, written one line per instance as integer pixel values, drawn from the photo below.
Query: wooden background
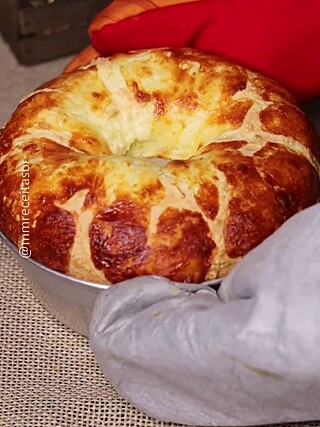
(47, 31)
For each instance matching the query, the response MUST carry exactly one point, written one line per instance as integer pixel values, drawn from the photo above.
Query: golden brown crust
(166, 162)
(52, 238)
(287, 120)
(183, 247)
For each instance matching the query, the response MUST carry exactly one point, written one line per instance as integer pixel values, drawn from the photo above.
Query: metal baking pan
(67, 298)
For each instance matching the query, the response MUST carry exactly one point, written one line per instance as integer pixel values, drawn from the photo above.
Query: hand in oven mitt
(249, 355)
(277, 38)
(118, 10)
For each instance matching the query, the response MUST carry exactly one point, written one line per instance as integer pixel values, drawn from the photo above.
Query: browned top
(166, 162)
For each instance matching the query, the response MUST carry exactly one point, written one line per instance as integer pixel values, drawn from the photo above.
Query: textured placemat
(48, 374)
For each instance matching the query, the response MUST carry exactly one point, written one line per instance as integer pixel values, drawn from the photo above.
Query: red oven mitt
(280, 39)
(116, 11)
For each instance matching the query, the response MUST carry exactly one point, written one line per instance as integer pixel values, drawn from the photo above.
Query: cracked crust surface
(165, 162)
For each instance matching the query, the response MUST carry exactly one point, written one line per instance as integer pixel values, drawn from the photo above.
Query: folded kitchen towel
(248, 355)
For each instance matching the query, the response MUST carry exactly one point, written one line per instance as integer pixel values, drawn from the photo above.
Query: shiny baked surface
(166, 162)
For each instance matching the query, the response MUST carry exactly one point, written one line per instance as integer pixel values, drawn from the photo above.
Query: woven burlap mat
(48, 374)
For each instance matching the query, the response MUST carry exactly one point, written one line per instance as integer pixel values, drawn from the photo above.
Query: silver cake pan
(67, 298)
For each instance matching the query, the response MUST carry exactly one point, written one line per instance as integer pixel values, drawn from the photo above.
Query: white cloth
(249, 355)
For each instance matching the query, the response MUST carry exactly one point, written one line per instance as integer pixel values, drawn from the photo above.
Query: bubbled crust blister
(166, 162)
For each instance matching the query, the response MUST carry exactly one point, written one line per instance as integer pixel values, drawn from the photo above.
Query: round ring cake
(159, 162)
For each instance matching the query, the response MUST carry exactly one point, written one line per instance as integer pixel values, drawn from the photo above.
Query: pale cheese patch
(126, 120)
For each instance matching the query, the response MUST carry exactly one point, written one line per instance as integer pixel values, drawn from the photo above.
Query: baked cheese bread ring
(159, 162)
